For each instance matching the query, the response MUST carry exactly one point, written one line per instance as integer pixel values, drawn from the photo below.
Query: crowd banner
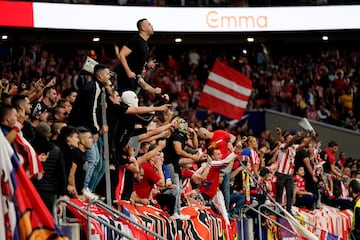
(204, 223)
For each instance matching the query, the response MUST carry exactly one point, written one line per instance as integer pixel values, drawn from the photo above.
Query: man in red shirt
(331, 173)
(154, 175)
(223, 141)
(219, 139)
(210, 188)
(329, 157)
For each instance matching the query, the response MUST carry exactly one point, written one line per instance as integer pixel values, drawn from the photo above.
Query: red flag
(226, 91)
(23, 215)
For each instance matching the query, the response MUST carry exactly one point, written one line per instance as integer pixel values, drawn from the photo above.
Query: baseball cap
(130, 98)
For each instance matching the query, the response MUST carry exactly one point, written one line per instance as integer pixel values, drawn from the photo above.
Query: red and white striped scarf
(28, 157)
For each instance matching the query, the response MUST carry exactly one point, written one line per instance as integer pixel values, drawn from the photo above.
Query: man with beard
(49, 100)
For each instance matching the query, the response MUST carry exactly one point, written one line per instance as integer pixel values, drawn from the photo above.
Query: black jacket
(86, 110)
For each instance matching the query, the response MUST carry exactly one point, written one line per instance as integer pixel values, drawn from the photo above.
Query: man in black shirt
(303, 159)
(133, 60)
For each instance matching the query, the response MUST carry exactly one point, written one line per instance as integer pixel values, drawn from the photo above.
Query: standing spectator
(78, 169)
(39, 115)
(328, 155)
(340, 163)
(210, 189)
(122, 117)
(22, 102)
(134, 62)
(194, 58)
(55, 130)
(176, 149)
(250, 155)
(70, 95)
(176, 146)
(354, 190)
(285, 168)
(303, 159)
(87, 106)
(49, 100)
(53, 183)
(68, 139)
(236, 187)
(60, 114)
(331, 172)
(11, 123)
(223, 141)
(87, 112)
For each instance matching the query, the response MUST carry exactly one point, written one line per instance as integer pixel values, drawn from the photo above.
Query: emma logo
(215, 20)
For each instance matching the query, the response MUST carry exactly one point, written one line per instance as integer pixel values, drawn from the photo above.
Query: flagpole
(106, 150)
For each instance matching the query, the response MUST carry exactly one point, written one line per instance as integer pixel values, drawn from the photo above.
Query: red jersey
(211, 184)
(300, 182)
(219, 141)
(331, 156)
(151, 177)
(271, 186)
(286, 158)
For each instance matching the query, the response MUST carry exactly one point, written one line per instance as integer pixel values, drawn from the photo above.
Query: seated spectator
(303, 198)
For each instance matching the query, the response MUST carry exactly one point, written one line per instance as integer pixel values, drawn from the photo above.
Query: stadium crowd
(161, 153)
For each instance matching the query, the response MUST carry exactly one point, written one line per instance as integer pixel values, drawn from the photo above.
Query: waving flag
(328, 236)
(23, 215)
(226, 91)
(301, 232)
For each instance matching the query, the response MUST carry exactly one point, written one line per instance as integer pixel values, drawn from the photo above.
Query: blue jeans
(225, 189)
(174, 192)
(99, 170)
(239, 199)
(92, 158)
(175, 179)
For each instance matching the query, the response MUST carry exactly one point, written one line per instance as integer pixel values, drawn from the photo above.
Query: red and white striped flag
(226, 91)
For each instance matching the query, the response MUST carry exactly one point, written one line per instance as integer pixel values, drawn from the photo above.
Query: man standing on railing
(134, 62)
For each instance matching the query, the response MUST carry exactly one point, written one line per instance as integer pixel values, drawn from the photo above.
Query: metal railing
(117, 214)
(260, 214)
(272, 220)
(89, 216)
